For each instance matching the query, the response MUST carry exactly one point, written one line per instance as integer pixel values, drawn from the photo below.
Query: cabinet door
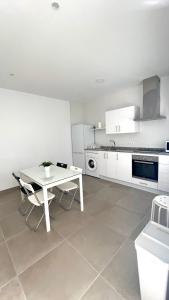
(128, 112)
(163, 177)
(121, 120)
(124, 167)
(128, 126)
(111, 122)
(103, 163)
(111, 164)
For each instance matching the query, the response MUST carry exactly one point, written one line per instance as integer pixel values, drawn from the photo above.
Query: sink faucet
(113, 141)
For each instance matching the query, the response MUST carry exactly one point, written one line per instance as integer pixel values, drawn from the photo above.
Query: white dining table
(57, 176)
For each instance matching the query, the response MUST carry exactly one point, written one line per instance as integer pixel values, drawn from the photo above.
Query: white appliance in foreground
(152, 247)
(92, 163)
(82, 137)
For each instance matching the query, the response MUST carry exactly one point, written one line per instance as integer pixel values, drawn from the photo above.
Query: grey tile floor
(86, 256)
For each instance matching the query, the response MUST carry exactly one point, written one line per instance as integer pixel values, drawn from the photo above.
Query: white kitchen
(84, 127)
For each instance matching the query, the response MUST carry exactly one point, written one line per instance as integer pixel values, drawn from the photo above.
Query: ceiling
(60, 53)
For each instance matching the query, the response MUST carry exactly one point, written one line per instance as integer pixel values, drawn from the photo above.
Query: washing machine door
(91, 164)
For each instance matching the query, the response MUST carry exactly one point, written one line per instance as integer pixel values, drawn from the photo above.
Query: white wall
(152, 133)
(32, 129)
(77, 112)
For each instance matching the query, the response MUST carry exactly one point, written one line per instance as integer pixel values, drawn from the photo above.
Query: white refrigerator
(82, 137)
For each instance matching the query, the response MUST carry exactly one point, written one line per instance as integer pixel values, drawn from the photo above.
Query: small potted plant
(46, 165)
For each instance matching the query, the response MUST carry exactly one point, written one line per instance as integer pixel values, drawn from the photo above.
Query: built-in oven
(145, 167)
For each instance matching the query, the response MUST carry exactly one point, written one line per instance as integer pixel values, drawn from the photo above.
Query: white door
(78, 138)
(124, 166)
(111, 164)
(79, 161)
(103, 163)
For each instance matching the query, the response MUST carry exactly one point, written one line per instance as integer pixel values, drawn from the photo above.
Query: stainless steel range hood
(151, 99)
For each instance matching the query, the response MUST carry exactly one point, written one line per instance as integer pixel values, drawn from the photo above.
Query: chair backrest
(18, 181)
(61, 165)
(17, 178)
(73, 168)
(27, 187)
(29, 190)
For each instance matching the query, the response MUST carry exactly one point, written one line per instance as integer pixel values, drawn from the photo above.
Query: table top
(38, 175)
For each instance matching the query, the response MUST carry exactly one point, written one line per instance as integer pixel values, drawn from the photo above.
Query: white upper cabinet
(122, 120)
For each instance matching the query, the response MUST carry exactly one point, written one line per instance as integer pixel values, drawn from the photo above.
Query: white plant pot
(47, 171)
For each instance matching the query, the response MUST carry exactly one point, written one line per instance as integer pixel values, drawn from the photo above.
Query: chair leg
(71, 202)
(23, 212)
(41, 218)
(28, 215)
(152, 212)
(60, 199)
(159, 215)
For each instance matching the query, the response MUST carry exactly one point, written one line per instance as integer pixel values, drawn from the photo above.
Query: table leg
(81, 193)
(47, 218)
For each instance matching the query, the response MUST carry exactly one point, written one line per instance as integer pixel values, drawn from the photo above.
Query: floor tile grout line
(20, 283)
(16, 235)
(10, 280)
(99, 275)
(81, 255)
(40, 258)
(113, 288)
(127, 238)
(89, 286)
(114, 254)
(46, 253)
(131, 211)
(13, 266)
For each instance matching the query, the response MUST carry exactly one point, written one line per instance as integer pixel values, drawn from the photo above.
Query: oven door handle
(144, 162)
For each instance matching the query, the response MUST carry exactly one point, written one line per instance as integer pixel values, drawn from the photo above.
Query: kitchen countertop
(142, 150)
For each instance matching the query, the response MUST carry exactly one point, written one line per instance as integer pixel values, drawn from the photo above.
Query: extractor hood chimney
(151, 99)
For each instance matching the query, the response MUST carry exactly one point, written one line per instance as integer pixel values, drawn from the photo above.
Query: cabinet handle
(116, 128)
(104, 155)
(107, 156)
(117, 156)
(119, 128)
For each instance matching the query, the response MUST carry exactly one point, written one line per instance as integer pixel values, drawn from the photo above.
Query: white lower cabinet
(103, 163)
(115, 165)
(107, 164)
(124, 166)
(111, 164)
(163, 173)
(118, 165)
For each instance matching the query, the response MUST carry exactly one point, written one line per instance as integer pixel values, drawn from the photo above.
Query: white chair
(160, 204)
(36, 199)
(22, 209)
(67, 187)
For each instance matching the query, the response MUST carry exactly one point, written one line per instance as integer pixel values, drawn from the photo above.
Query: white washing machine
(92, 163)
